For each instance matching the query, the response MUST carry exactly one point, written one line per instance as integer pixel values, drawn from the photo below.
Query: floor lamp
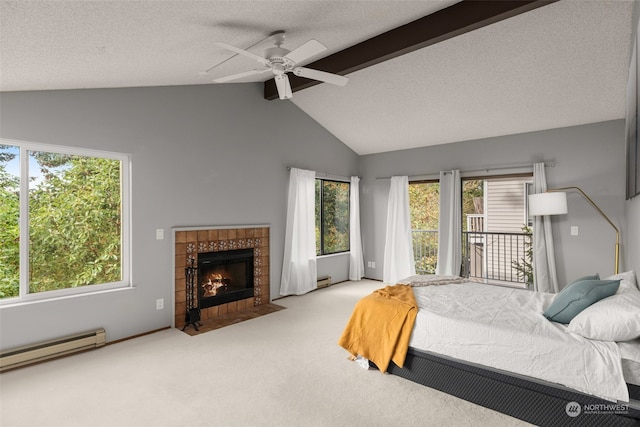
(554, 202)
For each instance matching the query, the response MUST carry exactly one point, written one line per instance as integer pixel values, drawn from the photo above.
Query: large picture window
(332, 217)
(63, 221)
(496, 234)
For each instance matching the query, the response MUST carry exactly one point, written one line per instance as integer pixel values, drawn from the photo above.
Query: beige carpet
(281, 369)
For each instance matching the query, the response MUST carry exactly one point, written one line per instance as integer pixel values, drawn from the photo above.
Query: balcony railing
(425, 250)
(486, 256)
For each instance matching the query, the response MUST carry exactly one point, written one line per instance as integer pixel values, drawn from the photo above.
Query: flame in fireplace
(214, 283)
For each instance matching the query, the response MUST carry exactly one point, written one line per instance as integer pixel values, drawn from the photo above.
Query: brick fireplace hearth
(190, 241)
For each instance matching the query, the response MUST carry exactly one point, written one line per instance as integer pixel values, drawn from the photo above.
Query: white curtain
(356, 261)
(299, 271)
(449, 227)
(398, 248)
(544, 265)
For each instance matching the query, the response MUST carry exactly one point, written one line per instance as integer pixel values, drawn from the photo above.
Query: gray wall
(589, 156)
(632, 235)
(201, 155)
(632, 207)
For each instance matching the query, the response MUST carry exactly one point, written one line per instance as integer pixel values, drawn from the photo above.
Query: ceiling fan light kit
(280, 61)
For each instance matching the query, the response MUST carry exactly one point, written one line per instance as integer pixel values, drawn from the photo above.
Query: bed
(492, 346)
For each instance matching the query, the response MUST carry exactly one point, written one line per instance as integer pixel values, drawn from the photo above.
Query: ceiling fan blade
(322, 76)
(241, 51)
(239, 75)
(283, 86)
(307, 50)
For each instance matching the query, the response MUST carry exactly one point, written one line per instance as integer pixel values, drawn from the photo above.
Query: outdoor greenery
(472, 192)
(332, 216)
(424, 205)
(524, 266)
(9, 230)
(74, 223)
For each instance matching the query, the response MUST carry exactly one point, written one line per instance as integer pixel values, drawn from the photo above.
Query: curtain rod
(487, 170)
(327, 175)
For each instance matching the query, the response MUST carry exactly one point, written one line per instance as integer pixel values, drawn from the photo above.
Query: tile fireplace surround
(189, 241)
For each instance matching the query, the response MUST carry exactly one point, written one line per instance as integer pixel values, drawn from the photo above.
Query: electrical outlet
(574, 230)
(369, 264)
(373, 264)
(160, 234)
(160, 304)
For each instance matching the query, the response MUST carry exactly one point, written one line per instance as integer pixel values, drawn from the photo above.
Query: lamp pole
(617, 256)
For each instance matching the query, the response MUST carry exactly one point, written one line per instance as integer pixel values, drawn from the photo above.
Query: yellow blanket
(380, 326)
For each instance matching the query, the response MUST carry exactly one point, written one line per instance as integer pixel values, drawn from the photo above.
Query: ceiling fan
(281, 61)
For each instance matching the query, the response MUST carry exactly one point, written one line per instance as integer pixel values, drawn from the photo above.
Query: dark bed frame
(536, 402)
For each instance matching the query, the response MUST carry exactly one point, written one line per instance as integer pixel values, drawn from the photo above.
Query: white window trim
(125, 199)
(333, 254)
(528, 188)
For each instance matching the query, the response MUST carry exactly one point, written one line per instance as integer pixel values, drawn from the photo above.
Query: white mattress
(630, 353)
(504, 328)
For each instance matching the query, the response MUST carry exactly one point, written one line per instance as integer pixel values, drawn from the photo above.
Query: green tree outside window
(74, 224)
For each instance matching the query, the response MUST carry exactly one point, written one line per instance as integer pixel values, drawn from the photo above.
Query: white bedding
(504, 328)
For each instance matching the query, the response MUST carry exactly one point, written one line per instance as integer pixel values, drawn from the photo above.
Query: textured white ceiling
(559, 65)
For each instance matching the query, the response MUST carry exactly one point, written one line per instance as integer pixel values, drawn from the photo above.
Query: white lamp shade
(548, 203)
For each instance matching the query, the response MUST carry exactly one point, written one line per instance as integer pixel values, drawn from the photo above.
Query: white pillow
(616, 318)
(627, 281)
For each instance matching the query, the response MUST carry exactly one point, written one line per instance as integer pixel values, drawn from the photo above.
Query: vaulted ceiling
(560, 64)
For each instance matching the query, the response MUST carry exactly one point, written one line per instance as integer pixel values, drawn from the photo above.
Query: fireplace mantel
(190, 241)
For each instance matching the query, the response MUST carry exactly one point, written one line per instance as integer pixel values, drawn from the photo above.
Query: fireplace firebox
(224, 277)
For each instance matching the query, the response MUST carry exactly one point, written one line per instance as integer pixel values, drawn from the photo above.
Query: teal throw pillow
(577, 296)
(594, 277)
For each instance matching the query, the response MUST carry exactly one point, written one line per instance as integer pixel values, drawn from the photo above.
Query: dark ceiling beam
(460, 18)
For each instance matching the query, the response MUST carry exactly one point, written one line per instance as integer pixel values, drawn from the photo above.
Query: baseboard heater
(324, 281)
(26, 355)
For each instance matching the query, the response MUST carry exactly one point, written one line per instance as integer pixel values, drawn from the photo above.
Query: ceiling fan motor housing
(276, 55)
